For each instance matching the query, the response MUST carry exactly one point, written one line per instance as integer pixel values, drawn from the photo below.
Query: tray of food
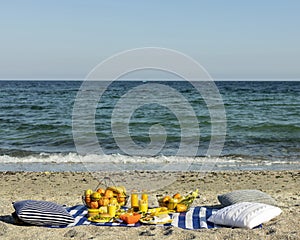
(178, 203)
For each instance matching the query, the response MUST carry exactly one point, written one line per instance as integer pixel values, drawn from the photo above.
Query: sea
(149, 125)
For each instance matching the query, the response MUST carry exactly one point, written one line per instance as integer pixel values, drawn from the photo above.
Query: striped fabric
(195, 218)
(42, 213)
(79, 213)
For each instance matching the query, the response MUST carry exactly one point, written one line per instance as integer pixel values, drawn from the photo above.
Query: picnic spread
(108, 205)
(112, 205)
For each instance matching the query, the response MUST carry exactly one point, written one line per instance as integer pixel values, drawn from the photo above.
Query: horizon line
(150, 80)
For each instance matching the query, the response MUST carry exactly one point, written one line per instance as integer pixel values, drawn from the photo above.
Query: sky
(232, 40)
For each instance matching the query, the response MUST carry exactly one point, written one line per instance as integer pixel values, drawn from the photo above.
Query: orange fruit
(87, 199)
(108, 193)
(103, 201)
(121, 199)
(94, 204)
(101, 191)
(177, 196)
(121, 194)
(181, 208)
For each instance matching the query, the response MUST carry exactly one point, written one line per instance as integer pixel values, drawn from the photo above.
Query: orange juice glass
(144, 195)
(143, 206)
(112, 208)
(134, 200)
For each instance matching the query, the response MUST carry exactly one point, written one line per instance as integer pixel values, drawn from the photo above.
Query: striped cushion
(42, 213)
(245, 196)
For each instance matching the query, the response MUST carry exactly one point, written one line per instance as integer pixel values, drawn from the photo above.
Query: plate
(152, 222)
(159, 211)
(161, 219)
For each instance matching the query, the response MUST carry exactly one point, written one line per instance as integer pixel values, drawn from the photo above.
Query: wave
(115, 162)
(118, 158)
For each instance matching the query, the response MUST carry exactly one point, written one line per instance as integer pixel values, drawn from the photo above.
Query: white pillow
(245, 215)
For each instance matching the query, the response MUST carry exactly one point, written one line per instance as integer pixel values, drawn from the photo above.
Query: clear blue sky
(232, 39)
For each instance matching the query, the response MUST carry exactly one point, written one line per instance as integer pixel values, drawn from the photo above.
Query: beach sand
(67, 188)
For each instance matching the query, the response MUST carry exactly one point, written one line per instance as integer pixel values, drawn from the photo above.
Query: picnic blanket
(195, 218)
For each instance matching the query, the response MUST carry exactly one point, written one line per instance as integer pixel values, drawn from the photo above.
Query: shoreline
(67, 188)
(118, 167)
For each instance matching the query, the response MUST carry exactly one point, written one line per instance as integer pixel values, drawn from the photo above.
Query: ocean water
(37, 130)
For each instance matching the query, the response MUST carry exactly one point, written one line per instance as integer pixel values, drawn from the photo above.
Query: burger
(102, 217)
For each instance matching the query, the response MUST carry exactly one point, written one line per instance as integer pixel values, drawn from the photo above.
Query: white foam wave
(124, 159)
(92, 158)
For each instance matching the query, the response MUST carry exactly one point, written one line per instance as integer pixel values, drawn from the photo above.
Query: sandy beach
(67, 188)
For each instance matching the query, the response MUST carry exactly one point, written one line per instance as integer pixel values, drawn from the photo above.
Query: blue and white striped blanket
(195, 218)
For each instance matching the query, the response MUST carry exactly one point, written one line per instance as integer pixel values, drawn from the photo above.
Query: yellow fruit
(95, 196)
(113, 201)
(172, 203)
(88, 192)
(195, 193)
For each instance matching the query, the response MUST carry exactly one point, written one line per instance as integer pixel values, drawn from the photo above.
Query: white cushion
(245, 215)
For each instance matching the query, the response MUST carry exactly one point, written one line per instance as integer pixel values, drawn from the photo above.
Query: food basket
(106, 192)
